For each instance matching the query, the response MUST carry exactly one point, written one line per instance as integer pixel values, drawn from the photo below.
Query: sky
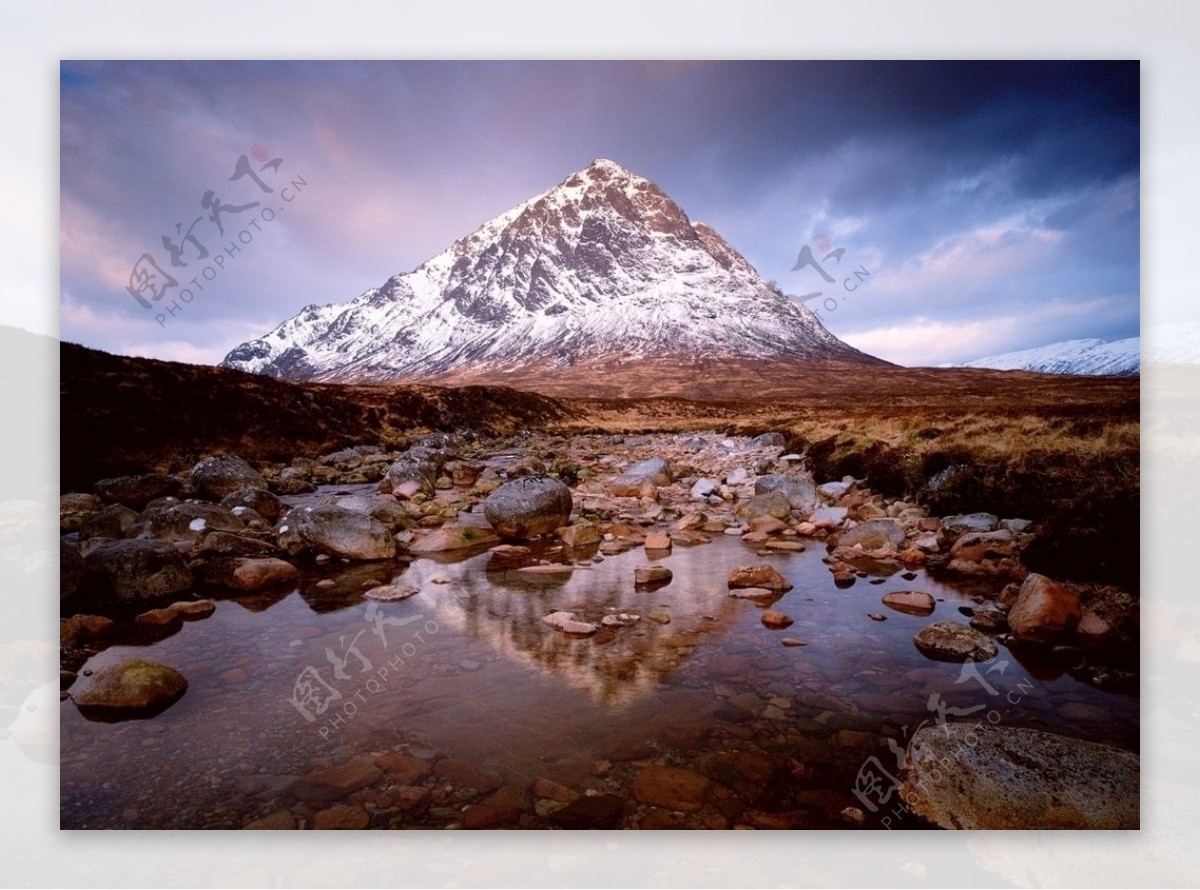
(995, 205)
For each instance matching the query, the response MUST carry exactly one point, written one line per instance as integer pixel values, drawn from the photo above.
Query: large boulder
(192, 520)
(800, 490)
(130, 689)
(528, 507)
(976, 776)
(135, 569)
(384, 507)
(420, 465)
(137, 491)
(874, 534)
(223, 474)
(1044, 611)
(335, 531)
(767, 440)
(954, 641)
(261, 501)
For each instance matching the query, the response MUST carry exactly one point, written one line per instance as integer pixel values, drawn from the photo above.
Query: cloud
(924, 342)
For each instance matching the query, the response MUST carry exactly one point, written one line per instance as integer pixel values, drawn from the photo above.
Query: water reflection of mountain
(486, 598)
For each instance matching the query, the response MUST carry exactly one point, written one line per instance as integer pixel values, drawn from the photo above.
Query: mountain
(1070, 357)
(601, 275)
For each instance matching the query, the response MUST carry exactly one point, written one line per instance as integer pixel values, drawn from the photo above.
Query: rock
(874, 534)
(335, 531)
(135, 569)
(337, 782)
(988, 620)
(190, 610)
(875, 616)
(464, 775)
(954, 641)
(768, 525)
(229, 544)
(261, 501)
(403, 769)
(248, 573)
(844, 579)
(767, 440)
(390, 593)
(1094, 629)
(776, 620)
(73, 508)
(137, 491)
(157, 618)
(79, 630)
(191, 521)
(738, 476)
(1044, 611)
(130, 689)
(792, 642)
(910, 602)
(658, 541)
(503, 807)
(454, 537)
(280, 820)
(659, 617)
(597, 811)
(70, 569)
(671, 788)
(626, 486)
(828, 517)
(703, 488)
(652, 575)
(1016, 526)
(582, 535)
(341, 817)
(551, 790)
(854, 816)
(927, 543)
(759, 575)
(416, 470)
(754, 593)
(528, 507)
(786, 546)
(384, 507)
(223, 474)
(624, 619)
(800, 490)
(978, 546)
(969, 522)
(657, 469)
(976, 776)
(771, 503)
(568, 623)
(292, 481)
(833, 490)
(113, 521)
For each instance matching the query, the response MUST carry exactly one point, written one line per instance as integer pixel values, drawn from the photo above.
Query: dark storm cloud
(996, 203)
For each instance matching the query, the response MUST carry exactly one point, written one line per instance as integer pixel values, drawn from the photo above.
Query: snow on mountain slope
(1070, 357)
(603, 264)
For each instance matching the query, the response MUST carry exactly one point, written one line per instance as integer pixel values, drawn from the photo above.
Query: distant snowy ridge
(603, 265)
(1070, 357)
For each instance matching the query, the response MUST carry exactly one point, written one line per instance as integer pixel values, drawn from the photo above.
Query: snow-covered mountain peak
(603, 264)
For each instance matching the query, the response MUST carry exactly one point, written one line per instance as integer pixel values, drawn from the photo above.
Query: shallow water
(467, 669)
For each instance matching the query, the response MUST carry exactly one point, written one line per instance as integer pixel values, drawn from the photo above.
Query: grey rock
(335, 531)
(223, 474)
(528, 507)
(261, 501)
(969, 522)
(972, 776)
(135, 569)
(799, 489)
(873, 535)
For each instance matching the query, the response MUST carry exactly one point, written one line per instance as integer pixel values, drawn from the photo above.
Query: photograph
(556, 445)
